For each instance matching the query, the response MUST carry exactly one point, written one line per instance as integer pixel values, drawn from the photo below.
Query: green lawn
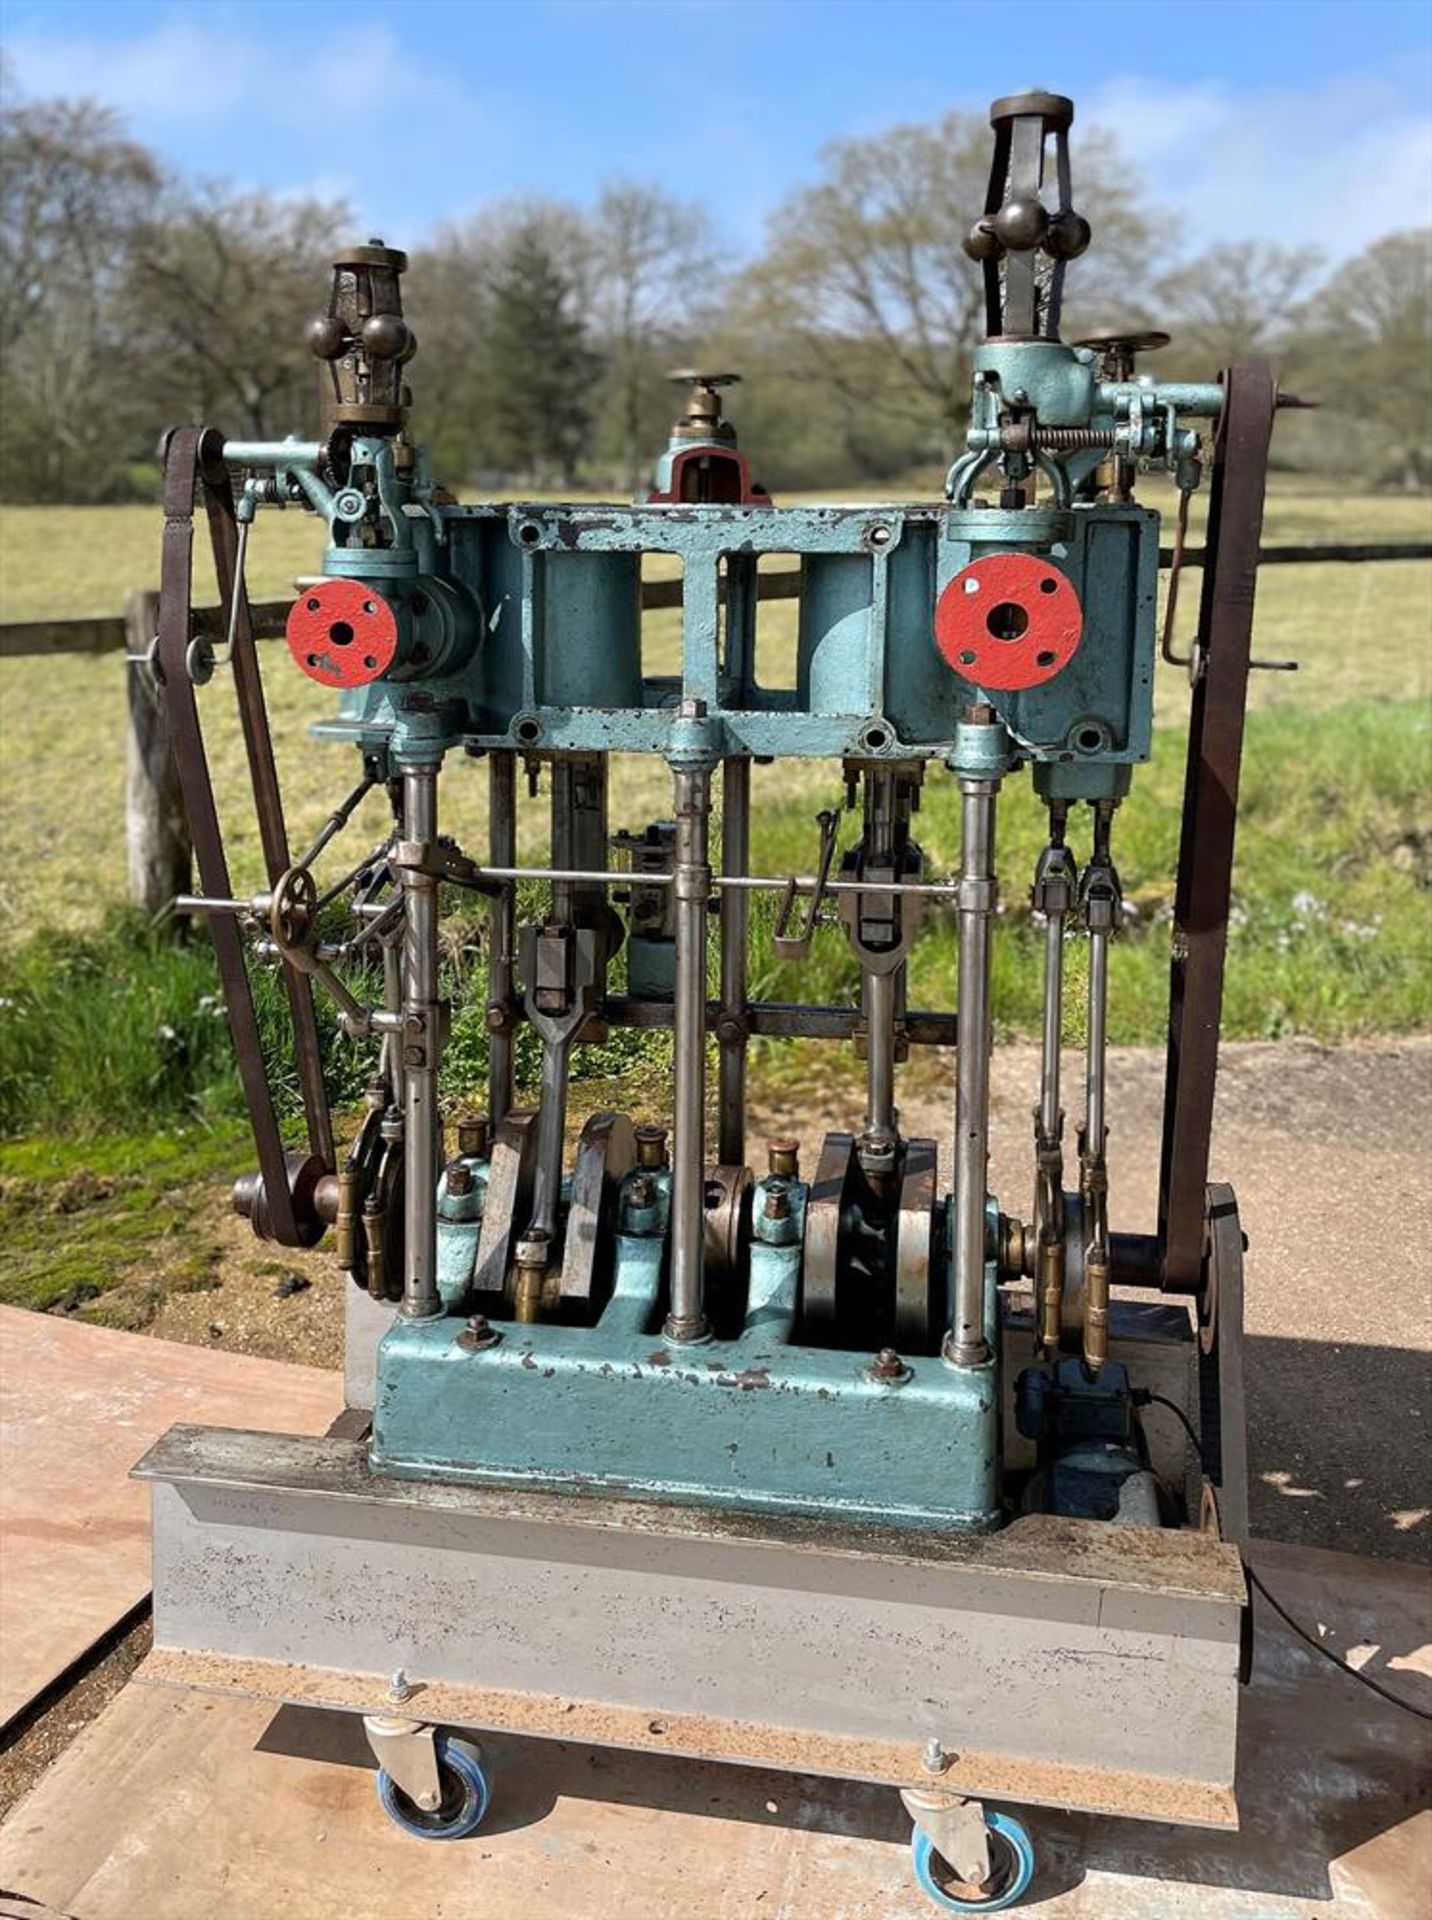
(1337, 775)
(116, 1089)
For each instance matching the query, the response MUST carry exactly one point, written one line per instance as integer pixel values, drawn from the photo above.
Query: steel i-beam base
(1045, 1663)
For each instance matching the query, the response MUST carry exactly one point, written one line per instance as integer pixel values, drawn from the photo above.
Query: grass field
(1333, 926)
(118, 1106)
(1360, 633)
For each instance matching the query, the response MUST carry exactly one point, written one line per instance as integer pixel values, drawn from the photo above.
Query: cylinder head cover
(342, 633)
(1008, 621)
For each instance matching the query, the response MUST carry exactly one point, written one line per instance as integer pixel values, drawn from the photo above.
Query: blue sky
(1295, 120)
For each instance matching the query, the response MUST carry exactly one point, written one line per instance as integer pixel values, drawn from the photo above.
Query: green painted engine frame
(556, 592)
(521, 628)
(758, 1421)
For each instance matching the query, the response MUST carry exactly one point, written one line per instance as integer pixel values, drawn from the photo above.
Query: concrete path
(1327, 1148)
(175, 1805)
(78, 1405)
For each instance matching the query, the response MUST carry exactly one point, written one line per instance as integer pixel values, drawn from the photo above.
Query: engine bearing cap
(1008, 621)
(342, 633)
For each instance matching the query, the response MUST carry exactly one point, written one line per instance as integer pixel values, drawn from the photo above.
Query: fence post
(156, 831)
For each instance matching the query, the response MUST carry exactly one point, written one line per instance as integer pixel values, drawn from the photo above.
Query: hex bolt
(459, 1178)
(783, 1157)
(887, 1365)
(478, 1333)
(472, 1133)
(778, 1204)
(934, 1759)
(399, 1687)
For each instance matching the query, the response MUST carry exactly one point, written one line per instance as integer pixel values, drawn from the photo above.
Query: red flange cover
(342, 633)
(1008, 621)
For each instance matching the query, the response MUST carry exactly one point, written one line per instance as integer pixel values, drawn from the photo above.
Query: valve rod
(422, 1134)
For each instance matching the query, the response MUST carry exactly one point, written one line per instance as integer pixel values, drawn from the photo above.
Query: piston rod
(422, 1136)
(687, 1318)
(881, 1119)
(965, 1344)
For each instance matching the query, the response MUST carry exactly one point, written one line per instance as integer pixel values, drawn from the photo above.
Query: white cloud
(226, 101)
(293, 100)
(178, 72)
(1338, 166)
(188, 70)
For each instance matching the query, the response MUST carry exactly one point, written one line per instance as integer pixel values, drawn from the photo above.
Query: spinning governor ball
(1008, 621)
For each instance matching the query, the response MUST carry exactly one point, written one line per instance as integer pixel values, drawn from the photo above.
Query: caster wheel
(1011, 1859)
(465, 1795)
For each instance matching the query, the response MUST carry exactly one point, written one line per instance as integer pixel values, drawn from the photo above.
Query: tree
(537, 365)
(499, 302)
(1371, 347)
(74, 193)
(654, 280)
(223, 289)
(872, 257)
(1241, 298)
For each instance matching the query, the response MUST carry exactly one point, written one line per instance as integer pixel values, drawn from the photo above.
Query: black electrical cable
(1142, 1397)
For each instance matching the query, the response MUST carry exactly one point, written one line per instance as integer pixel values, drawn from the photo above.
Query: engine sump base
(754, 1422)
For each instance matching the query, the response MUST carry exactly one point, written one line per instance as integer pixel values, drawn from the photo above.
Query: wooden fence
(156, 832)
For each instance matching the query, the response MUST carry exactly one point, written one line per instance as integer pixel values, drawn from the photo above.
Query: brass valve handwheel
(293, 909)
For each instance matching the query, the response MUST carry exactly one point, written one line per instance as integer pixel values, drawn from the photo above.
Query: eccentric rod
(732, 1028)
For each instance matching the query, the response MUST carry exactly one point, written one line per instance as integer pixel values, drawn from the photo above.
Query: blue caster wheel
(464, 1801)
(1011, 1860)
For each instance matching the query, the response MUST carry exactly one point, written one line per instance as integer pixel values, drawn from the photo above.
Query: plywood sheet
(78, 1406)
(177, 1804)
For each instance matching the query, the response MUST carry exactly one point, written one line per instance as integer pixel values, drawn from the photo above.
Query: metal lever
(795, 946)
(1194, 658)
(201, 659)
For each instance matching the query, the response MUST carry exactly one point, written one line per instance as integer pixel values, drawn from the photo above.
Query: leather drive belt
(193, 463)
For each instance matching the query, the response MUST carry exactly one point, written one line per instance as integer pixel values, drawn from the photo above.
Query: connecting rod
(881, 1138)
(880, 921)
(563, 965)
(1053, 895)
(501, 933)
